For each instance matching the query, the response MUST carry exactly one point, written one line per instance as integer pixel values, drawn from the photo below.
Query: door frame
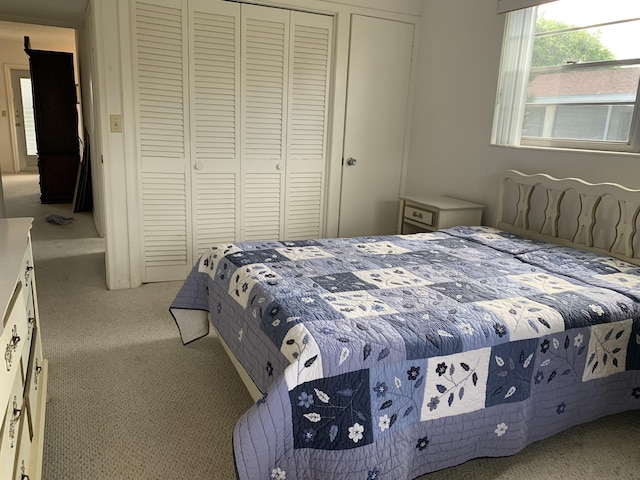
(8, 67)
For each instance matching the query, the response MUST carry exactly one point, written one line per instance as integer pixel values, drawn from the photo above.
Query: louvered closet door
(215, 132)
(162, 121)
(310, 54)
(264, 70)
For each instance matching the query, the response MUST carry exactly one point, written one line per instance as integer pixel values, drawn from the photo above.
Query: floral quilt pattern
(390, 357)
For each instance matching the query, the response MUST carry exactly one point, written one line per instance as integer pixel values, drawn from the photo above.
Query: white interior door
(215, 121)
(264, 71)
(160, 58)
(24, 120)
(375, 125)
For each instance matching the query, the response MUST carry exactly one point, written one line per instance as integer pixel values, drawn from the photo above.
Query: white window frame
(512, 87)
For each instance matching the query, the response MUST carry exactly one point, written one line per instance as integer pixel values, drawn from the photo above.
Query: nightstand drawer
(419, 215)
(428, 213)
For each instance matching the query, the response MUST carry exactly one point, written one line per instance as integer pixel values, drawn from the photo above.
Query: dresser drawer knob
(38, 369)
(11, 347)
(23, 476)
(13, 421)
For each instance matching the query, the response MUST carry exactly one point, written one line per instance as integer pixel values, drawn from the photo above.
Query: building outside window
(570, 76)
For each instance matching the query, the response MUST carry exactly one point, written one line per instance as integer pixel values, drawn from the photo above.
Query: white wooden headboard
(600, 217)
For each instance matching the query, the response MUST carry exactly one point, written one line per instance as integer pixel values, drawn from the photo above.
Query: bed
(394, 356)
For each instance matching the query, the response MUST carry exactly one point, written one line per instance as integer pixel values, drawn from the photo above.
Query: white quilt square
(303, 253)
(455, 384)
(303, 353)
(357, 304)
(525, 318)
(545, 283)
(209, 260)
(244, 279)
(623, 279)
(607, 353)
(391, 278)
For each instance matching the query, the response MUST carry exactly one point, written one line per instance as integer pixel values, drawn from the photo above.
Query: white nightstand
(427, 213)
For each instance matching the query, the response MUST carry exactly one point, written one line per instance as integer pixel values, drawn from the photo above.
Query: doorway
(26, 155)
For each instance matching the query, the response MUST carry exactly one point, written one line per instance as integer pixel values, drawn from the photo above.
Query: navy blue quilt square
(301, 243)
(277, 317)
(510, 371)
(332, 413)
(633, 349)
(257, 256)
(343, 282)
(477, 291)
(592, 306)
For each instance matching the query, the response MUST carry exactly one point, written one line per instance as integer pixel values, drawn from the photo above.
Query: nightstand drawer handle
(417, 214)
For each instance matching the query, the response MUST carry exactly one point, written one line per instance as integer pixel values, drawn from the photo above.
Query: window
(28, 119)
(569, 76)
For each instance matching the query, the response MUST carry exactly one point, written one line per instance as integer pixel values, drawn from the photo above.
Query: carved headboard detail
(601, 218)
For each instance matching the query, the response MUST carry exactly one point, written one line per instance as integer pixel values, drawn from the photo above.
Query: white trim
(109, 101)
(126, 20)
(505, 6)
(11, 107)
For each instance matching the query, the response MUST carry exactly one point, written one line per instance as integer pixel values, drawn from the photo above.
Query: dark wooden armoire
(56, 122)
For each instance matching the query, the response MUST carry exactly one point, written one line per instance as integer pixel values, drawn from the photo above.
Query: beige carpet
(128, 401)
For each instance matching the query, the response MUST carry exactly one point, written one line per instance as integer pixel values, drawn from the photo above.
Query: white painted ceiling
(38, 34)
(61, 13)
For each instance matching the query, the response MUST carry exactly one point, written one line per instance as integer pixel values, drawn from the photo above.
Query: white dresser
(23, 371)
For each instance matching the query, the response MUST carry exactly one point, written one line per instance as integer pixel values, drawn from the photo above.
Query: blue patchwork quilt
(391, 357)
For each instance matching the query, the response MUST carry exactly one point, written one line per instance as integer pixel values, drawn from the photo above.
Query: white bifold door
(232, 113)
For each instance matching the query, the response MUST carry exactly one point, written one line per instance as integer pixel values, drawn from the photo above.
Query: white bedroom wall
(114, 95)
(459, 57)
(12, 53)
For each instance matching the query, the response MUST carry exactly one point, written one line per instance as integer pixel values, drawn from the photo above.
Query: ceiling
(38, 34)
(60, 13)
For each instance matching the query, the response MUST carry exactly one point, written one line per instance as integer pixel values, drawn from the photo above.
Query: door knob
(351, 161)
(198, 166)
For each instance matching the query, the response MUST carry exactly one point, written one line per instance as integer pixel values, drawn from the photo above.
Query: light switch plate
(116, 123)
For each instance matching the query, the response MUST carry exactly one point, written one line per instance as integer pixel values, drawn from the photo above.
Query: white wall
(114, 94)
(12, 53)
(459, 57)
(86, 70)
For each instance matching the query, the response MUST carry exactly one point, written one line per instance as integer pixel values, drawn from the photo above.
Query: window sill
(569, 150)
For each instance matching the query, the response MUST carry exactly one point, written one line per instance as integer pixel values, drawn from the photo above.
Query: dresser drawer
(30, 312)
(10, 429)
(419, 215)
(34, 380)
(26, 272)
(23, 454)
(12, 341)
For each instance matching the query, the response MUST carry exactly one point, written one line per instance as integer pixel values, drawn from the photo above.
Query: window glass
(580, 81)
(28, 118)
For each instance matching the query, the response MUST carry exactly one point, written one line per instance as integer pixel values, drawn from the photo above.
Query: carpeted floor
(128, 401)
